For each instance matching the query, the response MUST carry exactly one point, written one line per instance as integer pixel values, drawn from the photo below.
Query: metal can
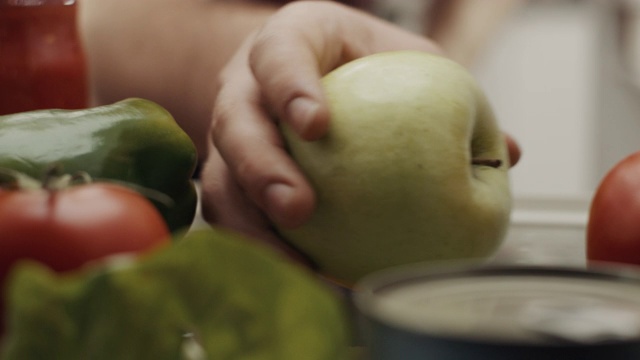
(500, 312)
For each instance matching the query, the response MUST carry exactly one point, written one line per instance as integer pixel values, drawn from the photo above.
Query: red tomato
(613, 231)
(68, 228)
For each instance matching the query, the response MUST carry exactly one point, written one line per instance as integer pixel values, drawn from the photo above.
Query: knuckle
(222, 114)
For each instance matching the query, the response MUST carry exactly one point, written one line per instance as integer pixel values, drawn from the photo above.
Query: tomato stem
(54, 179)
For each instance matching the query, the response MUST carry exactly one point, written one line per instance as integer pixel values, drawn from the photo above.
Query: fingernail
(277, 198)
(301, 112)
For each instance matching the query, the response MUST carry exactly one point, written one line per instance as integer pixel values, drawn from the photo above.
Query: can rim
(364, 295)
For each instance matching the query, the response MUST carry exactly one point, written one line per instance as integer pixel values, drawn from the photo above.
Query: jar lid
(512, 305)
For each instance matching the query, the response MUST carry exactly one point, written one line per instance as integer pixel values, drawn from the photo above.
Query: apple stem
(494, 163)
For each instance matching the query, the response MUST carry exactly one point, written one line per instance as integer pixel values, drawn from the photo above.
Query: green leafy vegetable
(213, 295)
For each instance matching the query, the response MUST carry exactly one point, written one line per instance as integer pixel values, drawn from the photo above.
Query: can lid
(516, 305)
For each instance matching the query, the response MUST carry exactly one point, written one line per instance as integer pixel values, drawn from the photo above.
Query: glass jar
(42, 64)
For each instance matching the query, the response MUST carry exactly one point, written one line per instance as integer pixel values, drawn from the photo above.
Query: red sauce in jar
(42, 64)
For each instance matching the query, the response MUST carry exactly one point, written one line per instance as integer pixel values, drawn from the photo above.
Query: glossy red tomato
(613, 231)
(68, 228)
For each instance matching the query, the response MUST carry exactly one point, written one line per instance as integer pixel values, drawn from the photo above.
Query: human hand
(248, 180)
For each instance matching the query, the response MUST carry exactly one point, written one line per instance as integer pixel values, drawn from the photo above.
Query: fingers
(304, 41)
(224, 204)
(278, 71)
(250, 144)
(514, 150)
(230, 208)
(287, 59)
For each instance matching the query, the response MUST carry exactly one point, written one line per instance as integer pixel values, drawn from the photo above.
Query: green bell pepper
(134, 141)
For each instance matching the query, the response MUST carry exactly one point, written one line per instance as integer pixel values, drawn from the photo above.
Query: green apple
(414, 168)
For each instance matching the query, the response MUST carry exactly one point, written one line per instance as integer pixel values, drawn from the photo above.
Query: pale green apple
(414, 168)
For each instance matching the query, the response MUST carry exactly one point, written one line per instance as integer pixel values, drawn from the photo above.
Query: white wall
(554, 75)
(541, 74)
(618, 117)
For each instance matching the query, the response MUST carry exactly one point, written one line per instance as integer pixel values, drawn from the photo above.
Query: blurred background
(564, 79)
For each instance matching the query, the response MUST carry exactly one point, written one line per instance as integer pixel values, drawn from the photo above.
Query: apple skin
(613, 228)
(394, 177)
